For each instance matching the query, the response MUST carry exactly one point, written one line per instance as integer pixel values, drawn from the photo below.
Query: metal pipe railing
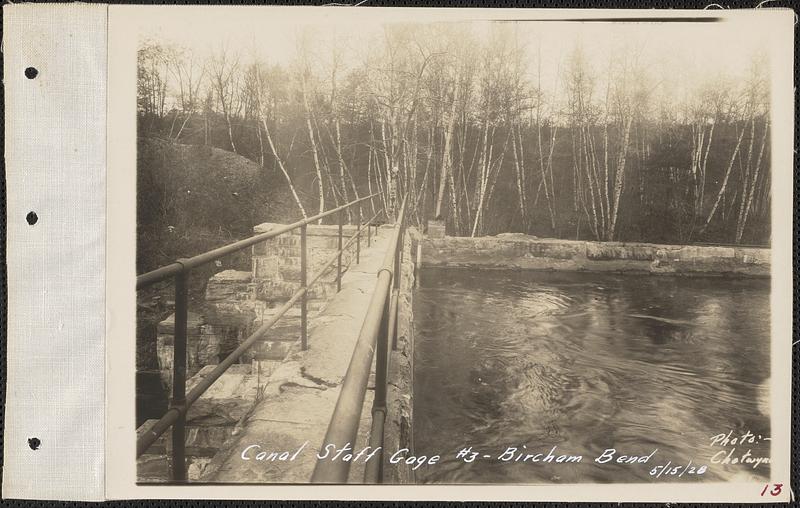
(175, 417)
(343, 426)
(178, 401)
(177, 267)
(373, 471)
(303, 283)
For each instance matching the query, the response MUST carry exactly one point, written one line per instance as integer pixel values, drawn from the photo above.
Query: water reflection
(587, 362)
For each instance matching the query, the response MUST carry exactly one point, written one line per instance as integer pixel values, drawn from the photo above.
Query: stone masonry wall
(276, 262)
(236, 304)
(400, 402)
(527, 252)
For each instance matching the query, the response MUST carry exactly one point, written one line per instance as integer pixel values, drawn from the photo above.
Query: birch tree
(267, 105)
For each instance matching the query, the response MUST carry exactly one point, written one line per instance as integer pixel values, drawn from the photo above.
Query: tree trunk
(283, 169)
(260, 144)
(520, 191)
(585, 158)
(446, 156)
(483, 180)
(724, 182)
(314, 151)
(178, 135)
(619, 177)
(369, 169)
(342, 182)
(756, 170)
(552, 183)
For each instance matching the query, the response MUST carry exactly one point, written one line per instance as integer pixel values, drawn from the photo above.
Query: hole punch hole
(34, 443)
(32, 218)
(31, 72)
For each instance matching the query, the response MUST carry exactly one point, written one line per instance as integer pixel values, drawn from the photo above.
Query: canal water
(588, 362)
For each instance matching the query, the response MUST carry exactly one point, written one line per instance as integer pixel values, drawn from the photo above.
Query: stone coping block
(519, 251)
(229, 285)
(227, 276)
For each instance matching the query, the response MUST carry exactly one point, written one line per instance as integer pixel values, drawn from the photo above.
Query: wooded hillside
(602, 150)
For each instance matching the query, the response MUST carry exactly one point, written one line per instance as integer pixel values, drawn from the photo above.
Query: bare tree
(224, 69)
(189, 72)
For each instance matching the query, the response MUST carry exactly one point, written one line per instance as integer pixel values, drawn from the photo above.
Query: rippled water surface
(588, 362)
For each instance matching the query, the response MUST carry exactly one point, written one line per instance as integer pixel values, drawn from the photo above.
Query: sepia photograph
(467, 250)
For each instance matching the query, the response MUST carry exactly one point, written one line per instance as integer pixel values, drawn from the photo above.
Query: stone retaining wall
(527, 252)
(398, 426)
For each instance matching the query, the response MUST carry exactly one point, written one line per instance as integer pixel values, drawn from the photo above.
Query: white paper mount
(55, 99)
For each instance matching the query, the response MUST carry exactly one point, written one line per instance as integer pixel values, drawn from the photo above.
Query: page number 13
(776, 489)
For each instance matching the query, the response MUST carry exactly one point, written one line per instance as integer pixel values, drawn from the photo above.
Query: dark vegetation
(191, 199)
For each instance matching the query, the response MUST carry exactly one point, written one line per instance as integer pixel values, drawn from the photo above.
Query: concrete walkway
(301, 393)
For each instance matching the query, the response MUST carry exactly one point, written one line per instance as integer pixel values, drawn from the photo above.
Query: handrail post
(398, 249)
(339, 263)
(369, 234)
(179, 376)
(358, 236)
(358, 244)
(382, 353)
(303, 283)
(398, 267)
